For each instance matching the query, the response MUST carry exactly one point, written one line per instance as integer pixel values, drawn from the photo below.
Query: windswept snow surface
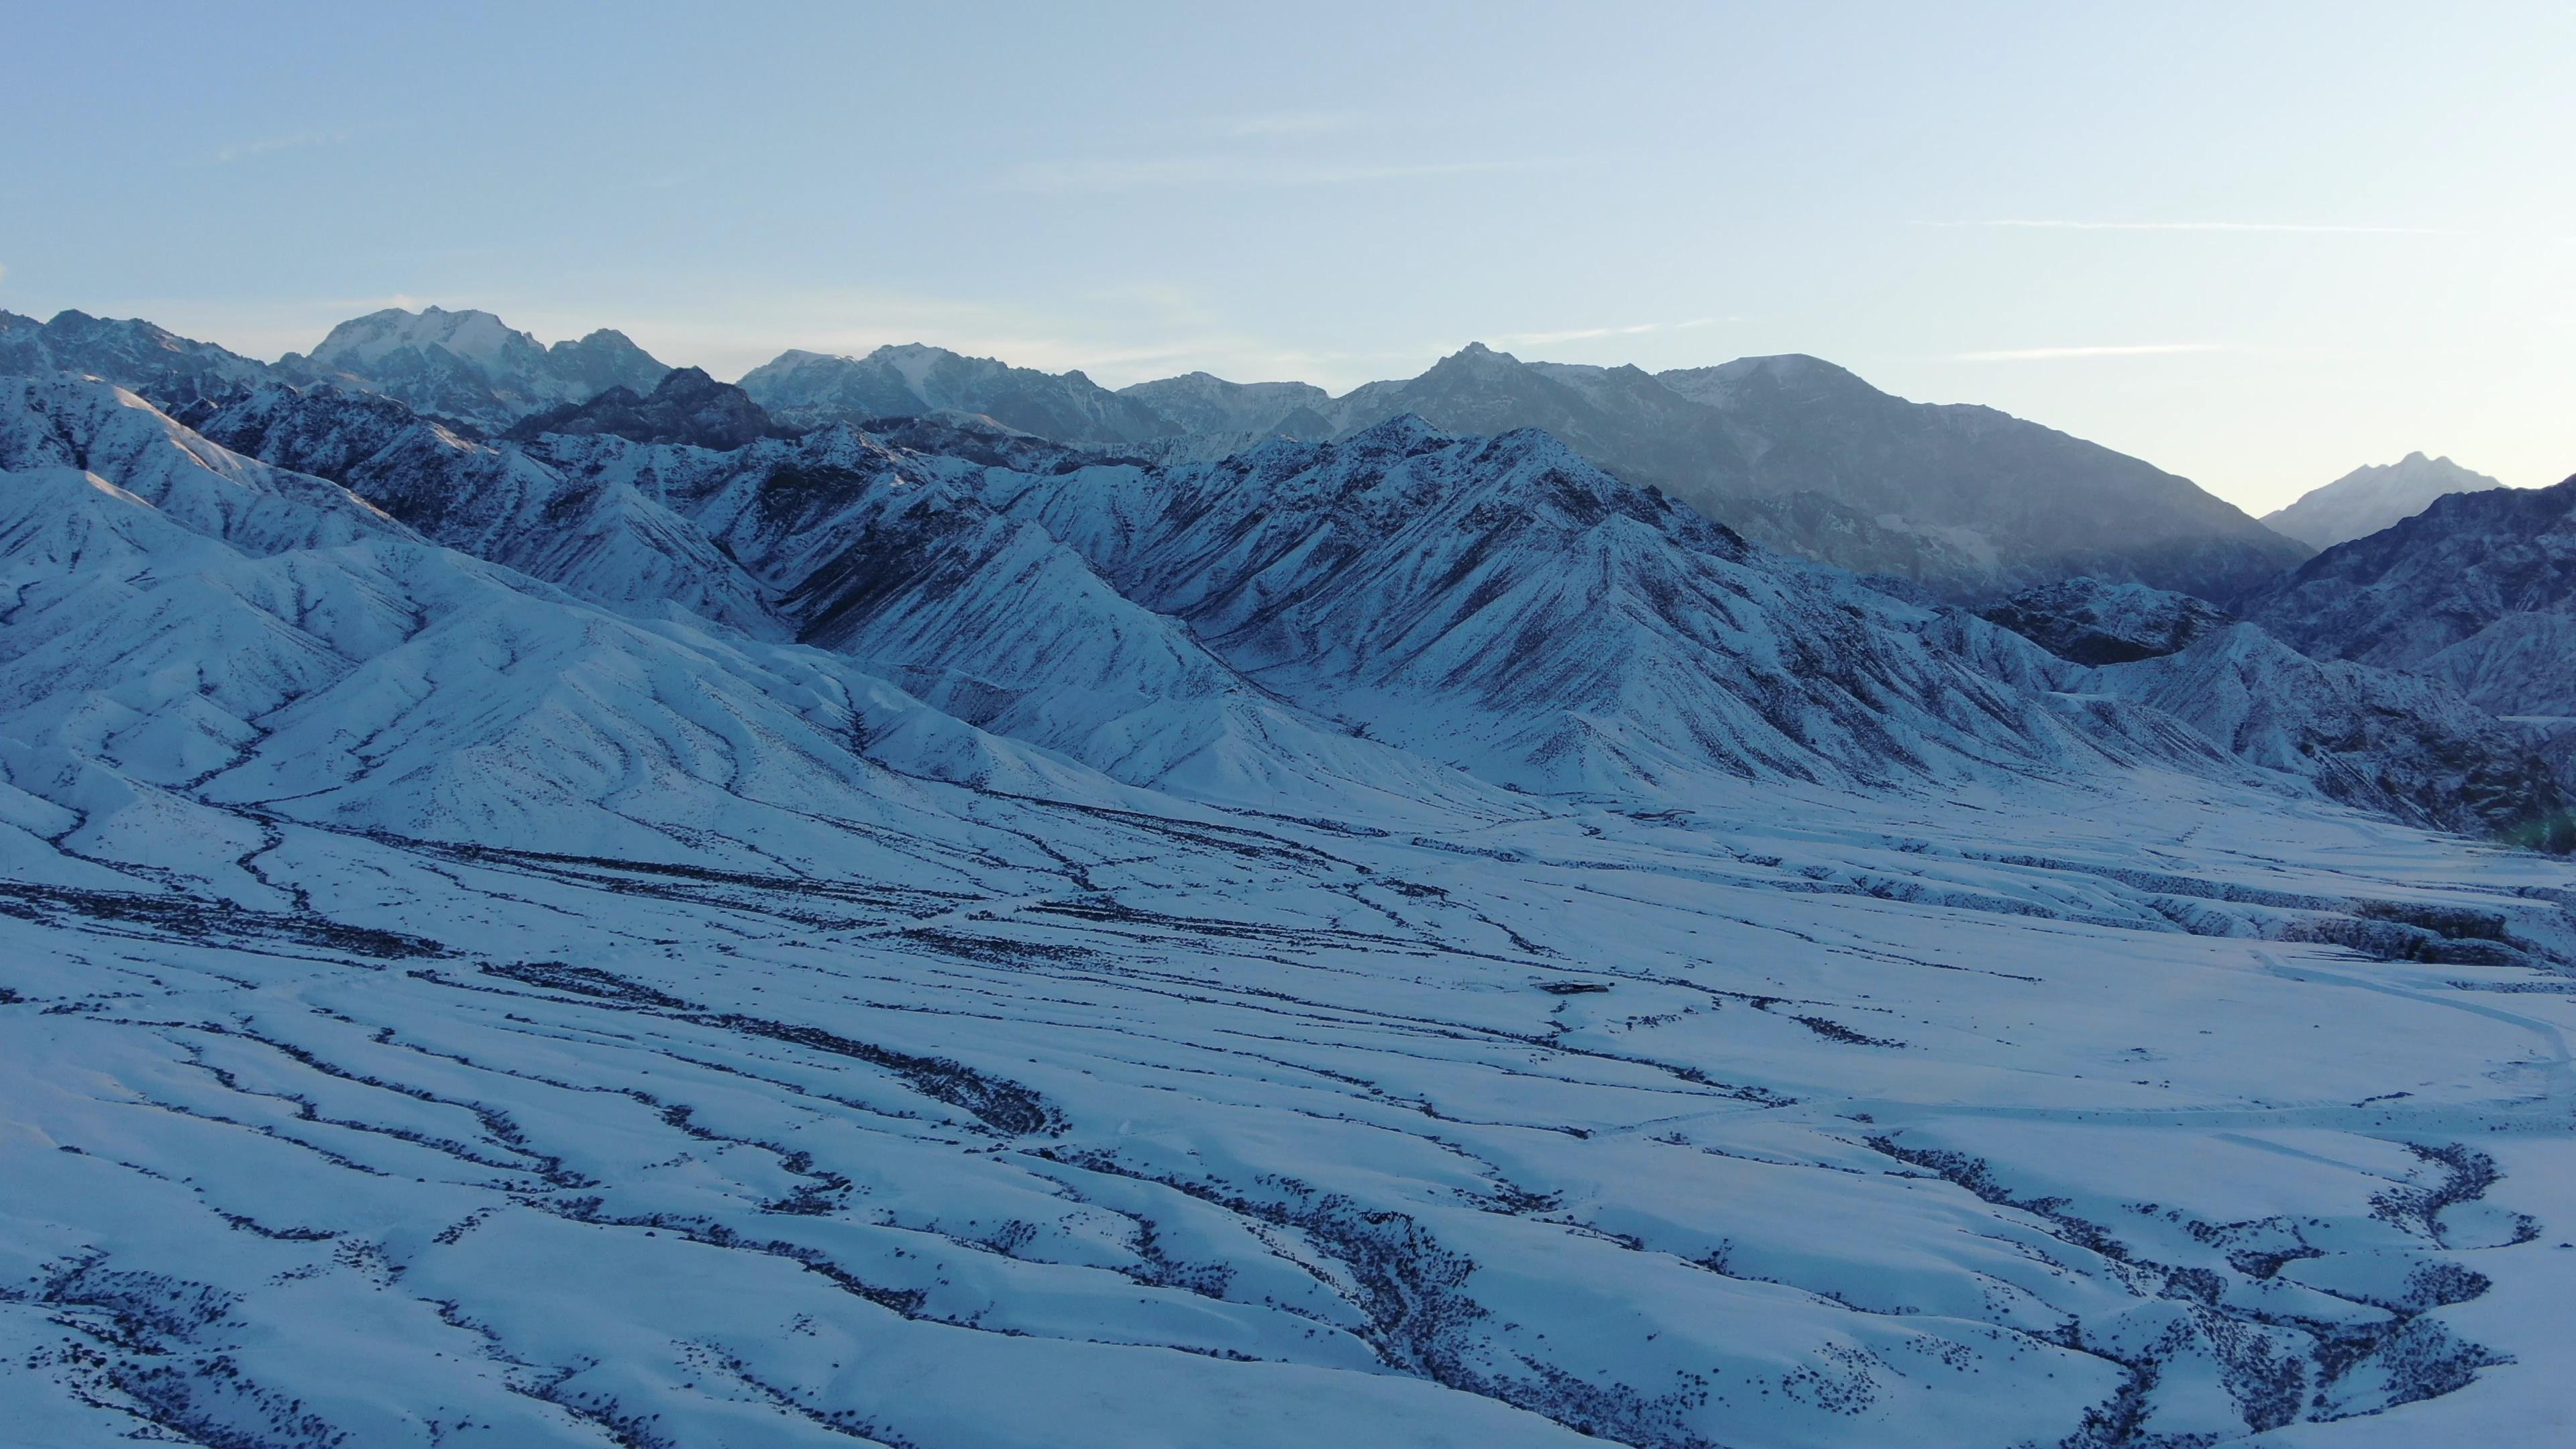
(444, 1007)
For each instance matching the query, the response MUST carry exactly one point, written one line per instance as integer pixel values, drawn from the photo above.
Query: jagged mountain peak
(1793, 450)
(470, 333)
(2370, 498)
(1476, 360)
(597, 337)
(470, 365)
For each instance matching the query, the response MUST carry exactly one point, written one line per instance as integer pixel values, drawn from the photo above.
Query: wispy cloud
(270, 145)
(2050, 354)
(2053, 224)
(1586, 334)
(1067, 177)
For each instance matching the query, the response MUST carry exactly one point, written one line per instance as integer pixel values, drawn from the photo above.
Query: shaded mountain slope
(165, 660)
(2479, 587)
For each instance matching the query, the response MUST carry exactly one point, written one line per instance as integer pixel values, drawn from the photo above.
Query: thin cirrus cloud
(1069, 177)
(2051, 354)
(2316, 228)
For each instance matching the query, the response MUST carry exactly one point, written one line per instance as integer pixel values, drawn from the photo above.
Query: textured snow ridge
(1408, 941)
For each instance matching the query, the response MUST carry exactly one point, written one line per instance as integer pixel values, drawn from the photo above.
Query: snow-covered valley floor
(2081, 1116)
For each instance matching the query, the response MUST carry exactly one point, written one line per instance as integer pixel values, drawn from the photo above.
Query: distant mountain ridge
(1795, 452)
(2368, 499)
(812, 388)
(1792, 451)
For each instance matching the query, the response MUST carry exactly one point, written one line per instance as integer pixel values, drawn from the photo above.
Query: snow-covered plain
(439, 1006)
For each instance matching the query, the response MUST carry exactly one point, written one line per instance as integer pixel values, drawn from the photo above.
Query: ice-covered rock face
(2479, 588)
(2366, 500)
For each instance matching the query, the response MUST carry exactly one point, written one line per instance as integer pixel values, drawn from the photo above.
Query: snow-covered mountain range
(1791, 451)
(1794, 452)
(2368, 499)
(677, 924)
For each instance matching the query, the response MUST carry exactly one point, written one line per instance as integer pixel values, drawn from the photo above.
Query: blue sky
(2258, 245)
